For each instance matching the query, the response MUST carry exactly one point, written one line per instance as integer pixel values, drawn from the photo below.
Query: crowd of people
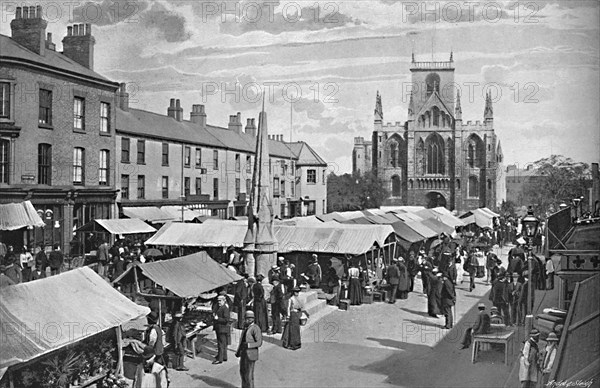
(23, 265)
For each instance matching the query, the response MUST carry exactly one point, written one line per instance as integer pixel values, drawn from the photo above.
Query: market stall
(109, 230)
(17, 221)
(186, 281)
(69, 319)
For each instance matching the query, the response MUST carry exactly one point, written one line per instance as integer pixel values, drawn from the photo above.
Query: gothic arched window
(436, 116)
(473, 187)
(471, 155)
(433, 83)
(395, 186)
(393, 154)
(435, 154)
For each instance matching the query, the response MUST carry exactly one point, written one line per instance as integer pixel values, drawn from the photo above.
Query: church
(434, 158)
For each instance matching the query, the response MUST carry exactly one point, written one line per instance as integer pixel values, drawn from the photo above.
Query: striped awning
(15, 216)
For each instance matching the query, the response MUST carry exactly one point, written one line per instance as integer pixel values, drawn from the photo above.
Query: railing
(433, 65)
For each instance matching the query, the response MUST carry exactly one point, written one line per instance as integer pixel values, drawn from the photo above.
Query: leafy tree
(354, 192)
(560, 180)
(507, 207)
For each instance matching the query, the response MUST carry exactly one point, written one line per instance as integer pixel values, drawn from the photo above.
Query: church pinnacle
(378, 108)
(458, 108)
(488, 113)
(411, 107)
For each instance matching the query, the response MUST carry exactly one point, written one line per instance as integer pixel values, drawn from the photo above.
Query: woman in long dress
(291, 331)
(261, 315)
(403, 283)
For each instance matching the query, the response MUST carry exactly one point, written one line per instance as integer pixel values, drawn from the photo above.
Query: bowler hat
(534, 332)
(481, 306)
(251, 280)
(249, 314)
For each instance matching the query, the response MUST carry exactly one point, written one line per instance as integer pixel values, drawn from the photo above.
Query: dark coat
(482, 325)
(448, 293)
(499, 293)
(402, 277)
(393, 274)
(221, 322)
(56, 259)
(240, 295)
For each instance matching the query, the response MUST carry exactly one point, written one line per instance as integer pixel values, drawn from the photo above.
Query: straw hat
(552, 337)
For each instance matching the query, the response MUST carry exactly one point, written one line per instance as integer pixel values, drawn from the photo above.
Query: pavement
(373, 345)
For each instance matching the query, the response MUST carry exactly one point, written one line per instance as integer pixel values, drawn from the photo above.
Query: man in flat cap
(247, 352)
(528, 368)
(481, 326)
(221, 328)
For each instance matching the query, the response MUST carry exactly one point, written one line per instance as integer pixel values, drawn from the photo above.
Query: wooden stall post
(120, 351)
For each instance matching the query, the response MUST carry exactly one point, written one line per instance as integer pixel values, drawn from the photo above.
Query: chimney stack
(198, 115)
(250, 127)
(235, 123)
(79, 43)
(29, 29)
(123, 97)
(178, 110)
(49, 44)
(171, 112)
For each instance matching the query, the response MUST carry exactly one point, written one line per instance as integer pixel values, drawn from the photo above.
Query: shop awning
(15, 216)
(406, 235)
(208, 234)
(117, 226)
(48, 314)
(188, 214)
(148, 213)
(187, 276)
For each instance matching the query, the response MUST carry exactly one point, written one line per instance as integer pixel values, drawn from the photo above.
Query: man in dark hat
(178, 337)
(221, 327)
(247, 352)
(273, 272)
(314, 273)
(393, 278)
(154, 336)
(240, 299)
(56, 260)
(548, 356)
(481, 326)
(448, 300)
(523, 308)
(499, 295)
(277, 295)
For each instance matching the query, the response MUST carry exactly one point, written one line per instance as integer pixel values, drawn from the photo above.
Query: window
(436, 116)
(293, 168)
(248, 186)
(215, 160)
(473, 187)
(4, 100)
(293, 189)
(198, 186)
(283, 188)
(237, 187)
(124, 186)
(78, 163)
(198, 157)
(125, 150)
(311, 176)
(103, 164)
(79, 113)
(323, 181)
(237, 163)
(186, 186)
(248, 164)
(165, 187)
(4, 160)
(215, 188)
(276, 186)
(104, 117)
(282, 210)
(44, 164)
(165, 154)
(471, 155)
(396, 186)
(141, 152)
(141, 187)
(187, 158)
(435, 154)
(283, 167)
(45, 112)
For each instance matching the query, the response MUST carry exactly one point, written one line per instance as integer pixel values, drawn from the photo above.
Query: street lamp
(529, 229)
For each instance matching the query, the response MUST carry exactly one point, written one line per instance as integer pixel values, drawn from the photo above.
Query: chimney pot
(49, 38)
(177, 103)
(25, 12)
(19, 13)
(38, 12)
(198, 116)
(70, 31)
(76, 29)
(88, 29)
(123, 97)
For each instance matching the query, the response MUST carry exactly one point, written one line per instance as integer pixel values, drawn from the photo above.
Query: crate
(344, 304)
(378, 297)
(367, 299)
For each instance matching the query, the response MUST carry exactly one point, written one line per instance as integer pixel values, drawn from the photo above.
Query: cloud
(170, 26)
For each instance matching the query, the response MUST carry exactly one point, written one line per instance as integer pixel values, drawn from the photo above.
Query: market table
(499, 334)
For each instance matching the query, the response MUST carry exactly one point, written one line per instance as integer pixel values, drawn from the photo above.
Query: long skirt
(355, 293)
(291, 332)
(459, 273)
(261, 315)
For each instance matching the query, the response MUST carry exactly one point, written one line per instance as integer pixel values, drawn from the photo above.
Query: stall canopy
(338, 239)
(480, 217)
(15, 216)
(188, 214)
(186, 276)
(117, 226)
(207, 234)
(406, 235)
(148, 213)
(48, 314)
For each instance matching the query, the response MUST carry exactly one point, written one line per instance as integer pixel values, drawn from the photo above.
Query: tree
(507, 207)
(560, 179)
(354, 192)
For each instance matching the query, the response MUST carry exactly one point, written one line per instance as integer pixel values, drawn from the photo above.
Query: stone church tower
(434, 158)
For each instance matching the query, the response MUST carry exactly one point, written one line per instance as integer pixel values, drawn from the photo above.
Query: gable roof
(434, 99)
(307, 156)
(51, 60)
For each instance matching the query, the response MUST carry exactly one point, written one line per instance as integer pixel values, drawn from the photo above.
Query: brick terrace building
(57, 128)
(166, 160)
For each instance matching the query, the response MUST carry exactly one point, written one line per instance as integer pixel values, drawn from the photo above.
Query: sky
(321, 63)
